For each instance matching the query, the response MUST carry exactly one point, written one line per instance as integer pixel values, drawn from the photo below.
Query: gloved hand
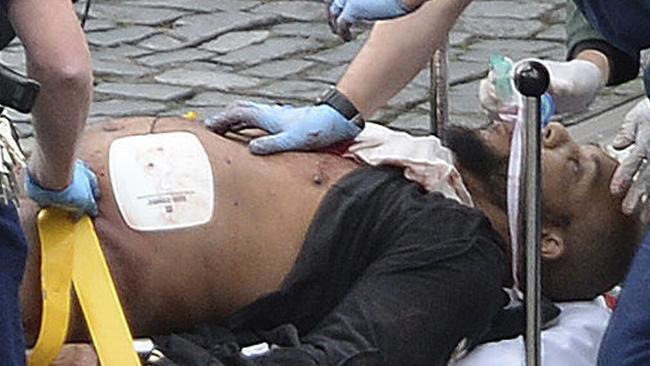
(79, 197)
(343, 13)
(574, 85)
(305, 128)
(634, 130)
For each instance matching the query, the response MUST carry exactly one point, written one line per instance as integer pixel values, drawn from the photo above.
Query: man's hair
(593, 263)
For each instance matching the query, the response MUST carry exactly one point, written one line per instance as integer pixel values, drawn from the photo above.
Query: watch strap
(337, 100)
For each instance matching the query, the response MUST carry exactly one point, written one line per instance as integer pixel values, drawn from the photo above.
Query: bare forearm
(58, 117)
(597, 58)
(58, 58)
(395, 52)
(412, 4)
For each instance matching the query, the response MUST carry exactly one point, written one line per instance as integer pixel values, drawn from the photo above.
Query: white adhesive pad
(162, 181)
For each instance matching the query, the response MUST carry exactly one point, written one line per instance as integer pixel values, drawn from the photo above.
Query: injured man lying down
(325, 259)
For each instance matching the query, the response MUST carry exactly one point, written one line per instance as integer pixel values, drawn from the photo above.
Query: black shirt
(388, 275)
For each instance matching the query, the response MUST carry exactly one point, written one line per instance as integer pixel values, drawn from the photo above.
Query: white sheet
(573, 342)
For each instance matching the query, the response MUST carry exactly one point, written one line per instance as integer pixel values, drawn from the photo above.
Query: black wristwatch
(335, 99)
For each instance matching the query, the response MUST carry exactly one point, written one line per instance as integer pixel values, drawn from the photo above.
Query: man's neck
(497, 215)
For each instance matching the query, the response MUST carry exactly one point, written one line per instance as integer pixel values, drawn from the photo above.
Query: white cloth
(424, 159)
(574, 341)
(514, 190)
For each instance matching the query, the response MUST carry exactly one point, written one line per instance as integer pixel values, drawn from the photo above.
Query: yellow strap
(71, 254)
(98, 298)
(57, 254)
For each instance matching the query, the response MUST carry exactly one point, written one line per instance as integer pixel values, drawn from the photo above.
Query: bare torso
(171, 280)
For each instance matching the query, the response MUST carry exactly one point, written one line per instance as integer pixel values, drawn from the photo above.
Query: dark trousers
(13, 254)
(627, 339)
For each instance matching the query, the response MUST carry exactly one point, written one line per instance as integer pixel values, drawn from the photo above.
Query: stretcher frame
(532, 81)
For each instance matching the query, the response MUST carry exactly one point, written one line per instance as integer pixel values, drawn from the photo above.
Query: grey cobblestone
(97, 25)
(507, 10)
(279, 69)
(125, 107)
(460, 71)
(218, 99)
(120, 69)
(204, 6)
(135, 15)
(197, 29)
(295, 10)
(457, 39)
(416, 123)
(210, 79)
(327, 73)
(235, 40)
(160, 42)
(463, 99)
(174, 57)
(162, 93)
(409, 97)
(297, 90)
(167, 57)
(120, 53)
(272, 49)
(117, 36)
(515, 49)
(319, 31)
(498, 28)
(556, 32)
(343, 53)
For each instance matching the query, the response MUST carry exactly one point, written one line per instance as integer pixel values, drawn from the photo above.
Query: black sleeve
(411, 307)
(412, 277)
(7, 33)
(581, 35)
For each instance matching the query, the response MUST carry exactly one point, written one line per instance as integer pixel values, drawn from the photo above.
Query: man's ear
(553, 243)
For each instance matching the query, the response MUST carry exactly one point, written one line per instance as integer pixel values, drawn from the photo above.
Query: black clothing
(13, 256)
(388, 275)
(7, 33)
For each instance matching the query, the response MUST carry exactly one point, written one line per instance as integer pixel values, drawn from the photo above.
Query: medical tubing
(501, 67)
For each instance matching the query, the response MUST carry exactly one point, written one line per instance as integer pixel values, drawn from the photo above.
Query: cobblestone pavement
(167, 57)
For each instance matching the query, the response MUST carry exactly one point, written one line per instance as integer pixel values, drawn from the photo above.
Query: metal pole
(438, 90)
(532, 80)
(532, 233)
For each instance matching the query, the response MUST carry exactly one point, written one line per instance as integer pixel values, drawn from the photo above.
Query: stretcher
(532, 80)
(72, 257)
(573, 341)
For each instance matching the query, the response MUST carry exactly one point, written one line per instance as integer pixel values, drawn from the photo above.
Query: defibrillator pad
(162, 181)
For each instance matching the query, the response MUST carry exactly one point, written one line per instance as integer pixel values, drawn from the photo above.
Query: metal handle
(438, 90)
(532, 80)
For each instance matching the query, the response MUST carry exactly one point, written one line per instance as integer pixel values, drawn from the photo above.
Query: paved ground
(169, 56)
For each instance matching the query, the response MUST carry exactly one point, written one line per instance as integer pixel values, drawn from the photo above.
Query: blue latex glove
(305, 128)
(632, 177)
(79, 197)
(343, 13)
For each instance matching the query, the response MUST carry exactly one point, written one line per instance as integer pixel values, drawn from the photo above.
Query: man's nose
(555, 135)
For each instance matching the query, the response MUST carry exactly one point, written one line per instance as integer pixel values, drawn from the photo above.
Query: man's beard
(477, 158)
